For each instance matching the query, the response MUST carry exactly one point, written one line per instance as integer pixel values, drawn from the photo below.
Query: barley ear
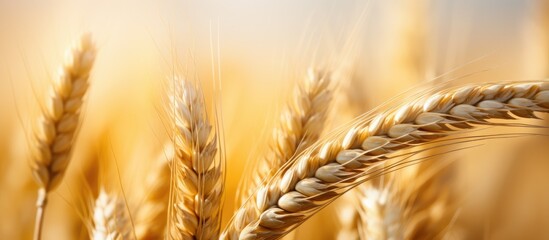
(54, 137)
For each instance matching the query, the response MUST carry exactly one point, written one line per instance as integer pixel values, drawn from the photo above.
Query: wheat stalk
(325, 171)
(110, 221)
(150, 218)
(56, 132)
(300, 125)
(197, 184)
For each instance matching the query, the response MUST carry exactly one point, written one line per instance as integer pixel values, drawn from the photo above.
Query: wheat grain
(197, 176)
(300, 125)
(150, 218)
(325, 171)
(58, 124)
(110, 221)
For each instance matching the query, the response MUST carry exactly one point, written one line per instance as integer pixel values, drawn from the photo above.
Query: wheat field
(396, 119)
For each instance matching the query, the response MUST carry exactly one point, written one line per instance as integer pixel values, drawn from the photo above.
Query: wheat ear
(150, 218)
(56, 132)
(110, 219)
(348, 218)
(301, 124)
(197, 184)
(429, 206)
(325, 171)
(418, 208)
(416, 203)
(380, 215)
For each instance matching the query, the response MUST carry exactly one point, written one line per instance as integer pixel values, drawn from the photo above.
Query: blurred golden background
(262, 48)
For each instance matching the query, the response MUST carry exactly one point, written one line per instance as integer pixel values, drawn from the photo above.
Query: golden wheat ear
(197, 174)
(150, 217)
(420, 206)
(300, 125)
(57, 129)
(110, 219)
(326, 170)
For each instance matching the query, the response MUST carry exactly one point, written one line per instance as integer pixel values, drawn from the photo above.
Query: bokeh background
(260, 49)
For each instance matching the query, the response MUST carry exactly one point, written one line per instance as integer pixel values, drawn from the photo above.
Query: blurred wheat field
(248, 58)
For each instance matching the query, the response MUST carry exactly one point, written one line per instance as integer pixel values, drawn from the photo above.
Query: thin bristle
(325, 171)
(300, 125)
(197, 184)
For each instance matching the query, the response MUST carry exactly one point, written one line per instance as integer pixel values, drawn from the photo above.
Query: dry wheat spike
(300, 125)
(404, 208)
(430, 205)
(150, 217)
(197, 187)
(325, 171)
(110, 220)
(417, 203)
(53, 139)
(380, 215)
(348, 218)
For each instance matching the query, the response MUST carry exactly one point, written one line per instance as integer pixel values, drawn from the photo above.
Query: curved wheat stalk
(110, 220)
(324, 172)
(58, 124)
(300, 125)
(150, 218)
(197, 184)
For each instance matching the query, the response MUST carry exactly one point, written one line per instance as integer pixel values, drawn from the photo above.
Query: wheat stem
(325, 171)
(41, 203)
